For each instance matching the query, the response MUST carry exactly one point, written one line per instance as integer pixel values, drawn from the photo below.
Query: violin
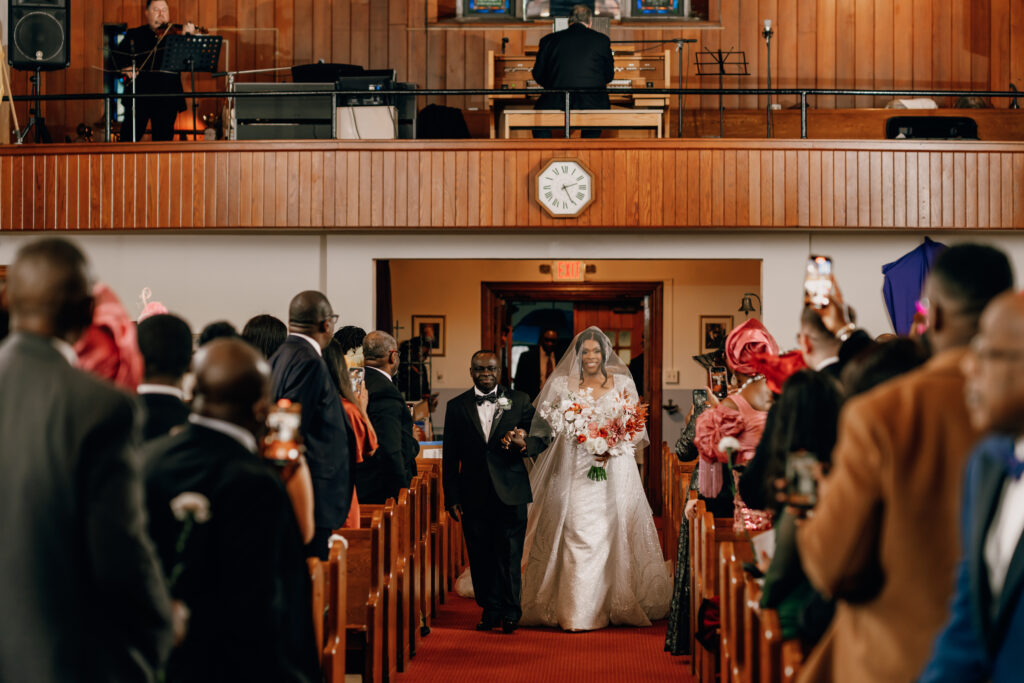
(200, 30)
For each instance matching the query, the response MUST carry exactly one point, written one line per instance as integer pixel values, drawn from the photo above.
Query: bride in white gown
(592, 556)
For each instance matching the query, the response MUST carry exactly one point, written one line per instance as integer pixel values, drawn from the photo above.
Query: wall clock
(564, 187)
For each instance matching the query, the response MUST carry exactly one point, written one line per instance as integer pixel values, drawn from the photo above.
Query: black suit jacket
(393, 466)
(301, 376)
(245, 579)
(81, 594)
(143, 41)
(577, 57)
(159, 413)
(471, 458)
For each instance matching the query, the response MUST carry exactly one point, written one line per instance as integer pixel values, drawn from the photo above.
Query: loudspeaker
(37, 35)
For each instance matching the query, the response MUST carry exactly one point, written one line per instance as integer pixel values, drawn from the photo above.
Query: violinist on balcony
(145, 43)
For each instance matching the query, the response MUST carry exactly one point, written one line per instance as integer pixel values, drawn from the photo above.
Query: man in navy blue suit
(300, 374)
(981, 641)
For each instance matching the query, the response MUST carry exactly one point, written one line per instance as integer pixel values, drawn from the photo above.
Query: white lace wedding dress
(592, 556)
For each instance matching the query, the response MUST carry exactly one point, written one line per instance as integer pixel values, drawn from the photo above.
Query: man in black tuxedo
(486, 486)
(166, 345)
(244, 575)
(300, 375)
(393, 466)
(577, 57)
(82, 594)
(536, 364)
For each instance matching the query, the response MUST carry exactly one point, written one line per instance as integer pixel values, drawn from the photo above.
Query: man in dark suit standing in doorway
(300, 375)
(536, 364)
(82, 595)
(486, 486)
(577, 57)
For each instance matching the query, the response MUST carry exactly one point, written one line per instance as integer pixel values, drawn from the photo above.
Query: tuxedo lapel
(498, 412)
(990, 484)
(472, 415)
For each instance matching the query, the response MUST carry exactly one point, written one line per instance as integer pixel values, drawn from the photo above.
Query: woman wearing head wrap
(741, 416)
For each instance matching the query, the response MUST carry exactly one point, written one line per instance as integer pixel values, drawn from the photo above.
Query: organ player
(145, 42)
(577, 57)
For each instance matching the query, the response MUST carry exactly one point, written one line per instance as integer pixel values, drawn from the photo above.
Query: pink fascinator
(150, 308)
(746, 343)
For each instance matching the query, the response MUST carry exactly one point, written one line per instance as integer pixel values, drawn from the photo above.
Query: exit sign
(568, 271)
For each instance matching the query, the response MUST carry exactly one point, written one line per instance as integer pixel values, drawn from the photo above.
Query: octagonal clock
(564, 187)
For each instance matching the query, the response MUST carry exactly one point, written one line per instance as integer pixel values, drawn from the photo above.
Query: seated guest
(879, 539)
(166, 345)
(242, 572)
(108, 348)
(806, 413)
(393, 467)
(82, 595)
(354, 401)
(216, 330)
(981, 637)
(350, 337)
(301, 376)
(266, 333)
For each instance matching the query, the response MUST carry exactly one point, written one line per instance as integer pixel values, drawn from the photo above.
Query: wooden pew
(769, 658)
(414, 635)
(405, 603)
(333, 658)
(364, 572)
(751, 666)
(389, 593)
(732, 606)
(319, 582)
(711, 533)
(431, 469)
(427, 599)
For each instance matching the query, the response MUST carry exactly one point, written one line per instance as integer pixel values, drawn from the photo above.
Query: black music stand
(722, 63)
(190, 53)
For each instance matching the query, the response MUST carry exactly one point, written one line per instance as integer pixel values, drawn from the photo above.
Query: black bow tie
(487, 398)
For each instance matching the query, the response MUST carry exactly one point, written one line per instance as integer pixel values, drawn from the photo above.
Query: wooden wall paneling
(807, 48)
(1018, 189)
(425, 188)
(1016, 43)
(935, 188)
(341, 36)
(510, 187)
(864, 54)
(304, 195)
(437, 55)
(322, 33)
(869, 197)
(359, 30)
(754, 188)
(825, 49)
(378, 47)
(913, 203)
(728, 187)
(264, 41)
(960, 41)
(767, 184)
(715, 191)
(942, 48)
(387, 189)
(978, 193)
(284, 22)
(903, 43)
(60, 199)
(475, 56)
(1006, 190)
(980, 42)
(704, 199)
(846, 50)
(245, 193)
(471, 187)
(852, 190)
(710, 41)
(454, 65)
(729, 40)
(778, 160)
(361, 194)
(838, 189)
(787, 33)
(742, 187)
(922, 44)
(524, 214)
(922, 174)
(792, 168)
(813, 186)
(652, 187)
(883, 40)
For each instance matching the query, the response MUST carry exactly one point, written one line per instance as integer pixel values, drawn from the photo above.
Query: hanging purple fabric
(904, 279)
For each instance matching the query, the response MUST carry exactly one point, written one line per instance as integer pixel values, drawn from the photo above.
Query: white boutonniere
(504, 403)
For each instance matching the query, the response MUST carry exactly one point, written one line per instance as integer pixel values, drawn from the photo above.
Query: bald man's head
(310, 313)
(994, 368)
(48, 290)
(232, 384)
(380, 350)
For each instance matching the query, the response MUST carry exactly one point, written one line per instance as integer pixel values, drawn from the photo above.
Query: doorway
(631, 313)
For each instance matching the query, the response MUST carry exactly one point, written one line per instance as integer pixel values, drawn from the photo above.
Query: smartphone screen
(700, 397)
(818, 280)
(801, 485)
(719, 381)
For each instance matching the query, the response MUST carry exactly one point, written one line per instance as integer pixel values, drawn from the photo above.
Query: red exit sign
(568, 271)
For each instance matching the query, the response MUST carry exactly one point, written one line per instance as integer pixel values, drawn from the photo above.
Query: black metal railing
(802, 93)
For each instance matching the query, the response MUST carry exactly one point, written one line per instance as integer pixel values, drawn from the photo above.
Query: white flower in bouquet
(191, 504)
(598, 446)
(728, 444)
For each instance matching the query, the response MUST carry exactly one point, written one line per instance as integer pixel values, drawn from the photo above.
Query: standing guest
(981, 639)
(266, 333)
(819, 347)
(216, 330)
(301, 376)
(537, 363)
(350, 337)
(879, 539)
(354, 400)
(394, 465)
(577, 57)
(108, 347)
(82, 595)
(166, 345)
(487, 488)
(241, 572)
(146, 44)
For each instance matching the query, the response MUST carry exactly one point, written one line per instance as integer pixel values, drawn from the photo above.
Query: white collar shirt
(486, 411)
(239, 434)
(390, 378)
(164, 389)
(66, 350)
(312, 342)
(827, 362)
(1004, 533)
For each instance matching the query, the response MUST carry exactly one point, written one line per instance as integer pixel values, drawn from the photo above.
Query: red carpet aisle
(455, 653)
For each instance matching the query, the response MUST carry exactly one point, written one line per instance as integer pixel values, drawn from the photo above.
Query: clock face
(565, 187)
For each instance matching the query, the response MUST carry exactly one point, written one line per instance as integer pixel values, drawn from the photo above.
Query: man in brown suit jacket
(883, 538)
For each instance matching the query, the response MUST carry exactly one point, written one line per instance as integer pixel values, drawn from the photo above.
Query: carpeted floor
(455, 653)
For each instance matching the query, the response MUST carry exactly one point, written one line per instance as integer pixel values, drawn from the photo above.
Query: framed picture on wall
(713, 331)
(431, 328)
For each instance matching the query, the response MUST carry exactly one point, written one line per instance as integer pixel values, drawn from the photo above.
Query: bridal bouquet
(610, 428)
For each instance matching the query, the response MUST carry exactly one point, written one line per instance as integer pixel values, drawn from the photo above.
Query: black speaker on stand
(37, 40)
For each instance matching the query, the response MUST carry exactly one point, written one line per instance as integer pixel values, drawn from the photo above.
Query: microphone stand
(767, 33)
(135, 102)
